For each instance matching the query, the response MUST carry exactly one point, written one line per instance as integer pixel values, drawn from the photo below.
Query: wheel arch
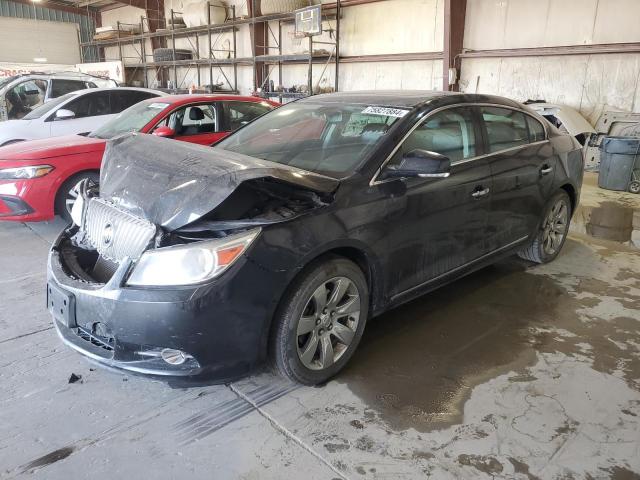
(573, 196)
(363, 257)
(353, 251)
(62, 181)
(11, 142)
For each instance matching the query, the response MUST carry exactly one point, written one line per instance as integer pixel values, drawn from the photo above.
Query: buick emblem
(107, 234)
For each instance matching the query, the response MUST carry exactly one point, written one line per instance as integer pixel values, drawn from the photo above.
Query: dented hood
(172, 183)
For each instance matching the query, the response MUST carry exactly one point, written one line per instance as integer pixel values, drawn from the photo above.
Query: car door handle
(546, 169)
(479, 193)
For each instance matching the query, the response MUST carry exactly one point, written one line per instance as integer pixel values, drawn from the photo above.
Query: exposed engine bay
(255, 203)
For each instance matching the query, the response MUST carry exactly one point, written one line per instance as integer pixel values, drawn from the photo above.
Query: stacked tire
(166, 54)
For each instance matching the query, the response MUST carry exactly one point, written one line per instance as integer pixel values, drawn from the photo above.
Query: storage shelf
(187, 31)
(262, 64)
(193, 62)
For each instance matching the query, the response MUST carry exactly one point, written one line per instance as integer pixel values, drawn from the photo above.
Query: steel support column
(154, 10)
(259, 40)
(454, 15)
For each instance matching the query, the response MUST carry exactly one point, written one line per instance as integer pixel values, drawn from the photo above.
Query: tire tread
(284, 314)
(533, 251)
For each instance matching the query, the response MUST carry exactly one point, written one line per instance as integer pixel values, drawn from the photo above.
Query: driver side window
(192, 120)
(90, 105)
(450, 133)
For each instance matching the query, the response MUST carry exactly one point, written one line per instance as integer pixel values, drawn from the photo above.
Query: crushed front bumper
(220, 331)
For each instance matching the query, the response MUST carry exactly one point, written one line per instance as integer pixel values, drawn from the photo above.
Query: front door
(198, 124)
(91, 110)
(437, 225)
(522, 165)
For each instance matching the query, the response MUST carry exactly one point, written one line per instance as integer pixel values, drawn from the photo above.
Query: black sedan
(284, 239)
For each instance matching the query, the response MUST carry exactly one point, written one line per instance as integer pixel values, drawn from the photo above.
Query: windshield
(332, 139)
(133, 119)
(47, 107)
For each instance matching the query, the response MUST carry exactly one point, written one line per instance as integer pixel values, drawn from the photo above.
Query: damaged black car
(283, 240)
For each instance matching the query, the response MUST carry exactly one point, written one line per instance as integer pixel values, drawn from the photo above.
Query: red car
(39, 179)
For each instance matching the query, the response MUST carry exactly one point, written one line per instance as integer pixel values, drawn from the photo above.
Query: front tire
(320, 321)
(553, 230)
(69, 191)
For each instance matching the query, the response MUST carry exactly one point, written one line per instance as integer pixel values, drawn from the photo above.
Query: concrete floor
(513, 372)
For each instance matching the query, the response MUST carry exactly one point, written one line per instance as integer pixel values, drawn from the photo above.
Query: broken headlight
(192, 263)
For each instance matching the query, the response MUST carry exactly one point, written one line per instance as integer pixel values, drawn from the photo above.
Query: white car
(74, 113)
(19, 94)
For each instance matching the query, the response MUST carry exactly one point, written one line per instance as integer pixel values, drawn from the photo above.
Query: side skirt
(458, 272)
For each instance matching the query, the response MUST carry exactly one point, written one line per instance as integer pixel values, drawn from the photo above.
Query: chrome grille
(116, 234)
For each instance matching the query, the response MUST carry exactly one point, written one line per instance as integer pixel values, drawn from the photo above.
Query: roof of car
(203, 97)
(406, 98)
(59, 75)
(85, 91)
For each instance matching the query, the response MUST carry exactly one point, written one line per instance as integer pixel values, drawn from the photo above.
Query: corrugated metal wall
(34, 11)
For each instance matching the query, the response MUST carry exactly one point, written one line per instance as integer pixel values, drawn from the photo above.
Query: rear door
(522, 165)
(438, 225)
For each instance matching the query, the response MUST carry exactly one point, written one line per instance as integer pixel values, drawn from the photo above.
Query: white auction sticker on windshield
(386, 111)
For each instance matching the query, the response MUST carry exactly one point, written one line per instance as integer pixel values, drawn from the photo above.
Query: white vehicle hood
(571, 119)
(15, 130)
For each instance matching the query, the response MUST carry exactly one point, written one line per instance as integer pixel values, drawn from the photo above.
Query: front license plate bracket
(62, 305)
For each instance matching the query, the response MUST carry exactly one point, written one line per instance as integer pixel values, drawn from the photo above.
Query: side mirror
(166, 132)
(64, 114)
(422, 164)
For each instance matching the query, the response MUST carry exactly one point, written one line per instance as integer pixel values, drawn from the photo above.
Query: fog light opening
(174, 357)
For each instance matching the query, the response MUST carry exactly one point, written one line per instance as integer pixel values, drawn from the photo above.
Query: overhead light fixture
(36, 1)
(40, 59)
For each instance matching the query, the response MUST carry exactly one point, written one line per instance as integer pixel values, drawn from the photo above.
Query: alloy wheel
(328, 323)
(555, 227)
(71, 197)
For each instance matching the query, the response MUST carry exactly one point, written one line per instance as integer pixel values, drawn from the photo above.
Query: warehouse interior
(516, 370)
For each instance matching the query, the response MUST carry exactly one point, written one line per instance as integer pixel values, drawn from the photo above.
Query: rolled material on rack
(195, 14)
(269, 7)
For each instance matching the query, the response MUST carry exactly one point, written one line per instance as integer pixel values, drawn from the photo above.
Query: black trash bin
(619, 157)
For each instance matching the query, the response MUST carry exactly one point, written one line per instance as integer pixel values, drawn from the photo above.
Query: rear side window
(60, 87)
(506, 128)
(241, 113)
(536, 130)
(121, 100)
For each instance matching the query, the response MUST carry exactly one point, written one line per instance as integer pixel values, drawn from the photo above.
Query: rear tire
(553, 230)
(68, 192)
(320, 321)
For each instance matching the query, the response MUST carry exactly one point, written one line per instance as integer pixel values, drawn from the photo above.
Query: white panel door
(24, 40)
